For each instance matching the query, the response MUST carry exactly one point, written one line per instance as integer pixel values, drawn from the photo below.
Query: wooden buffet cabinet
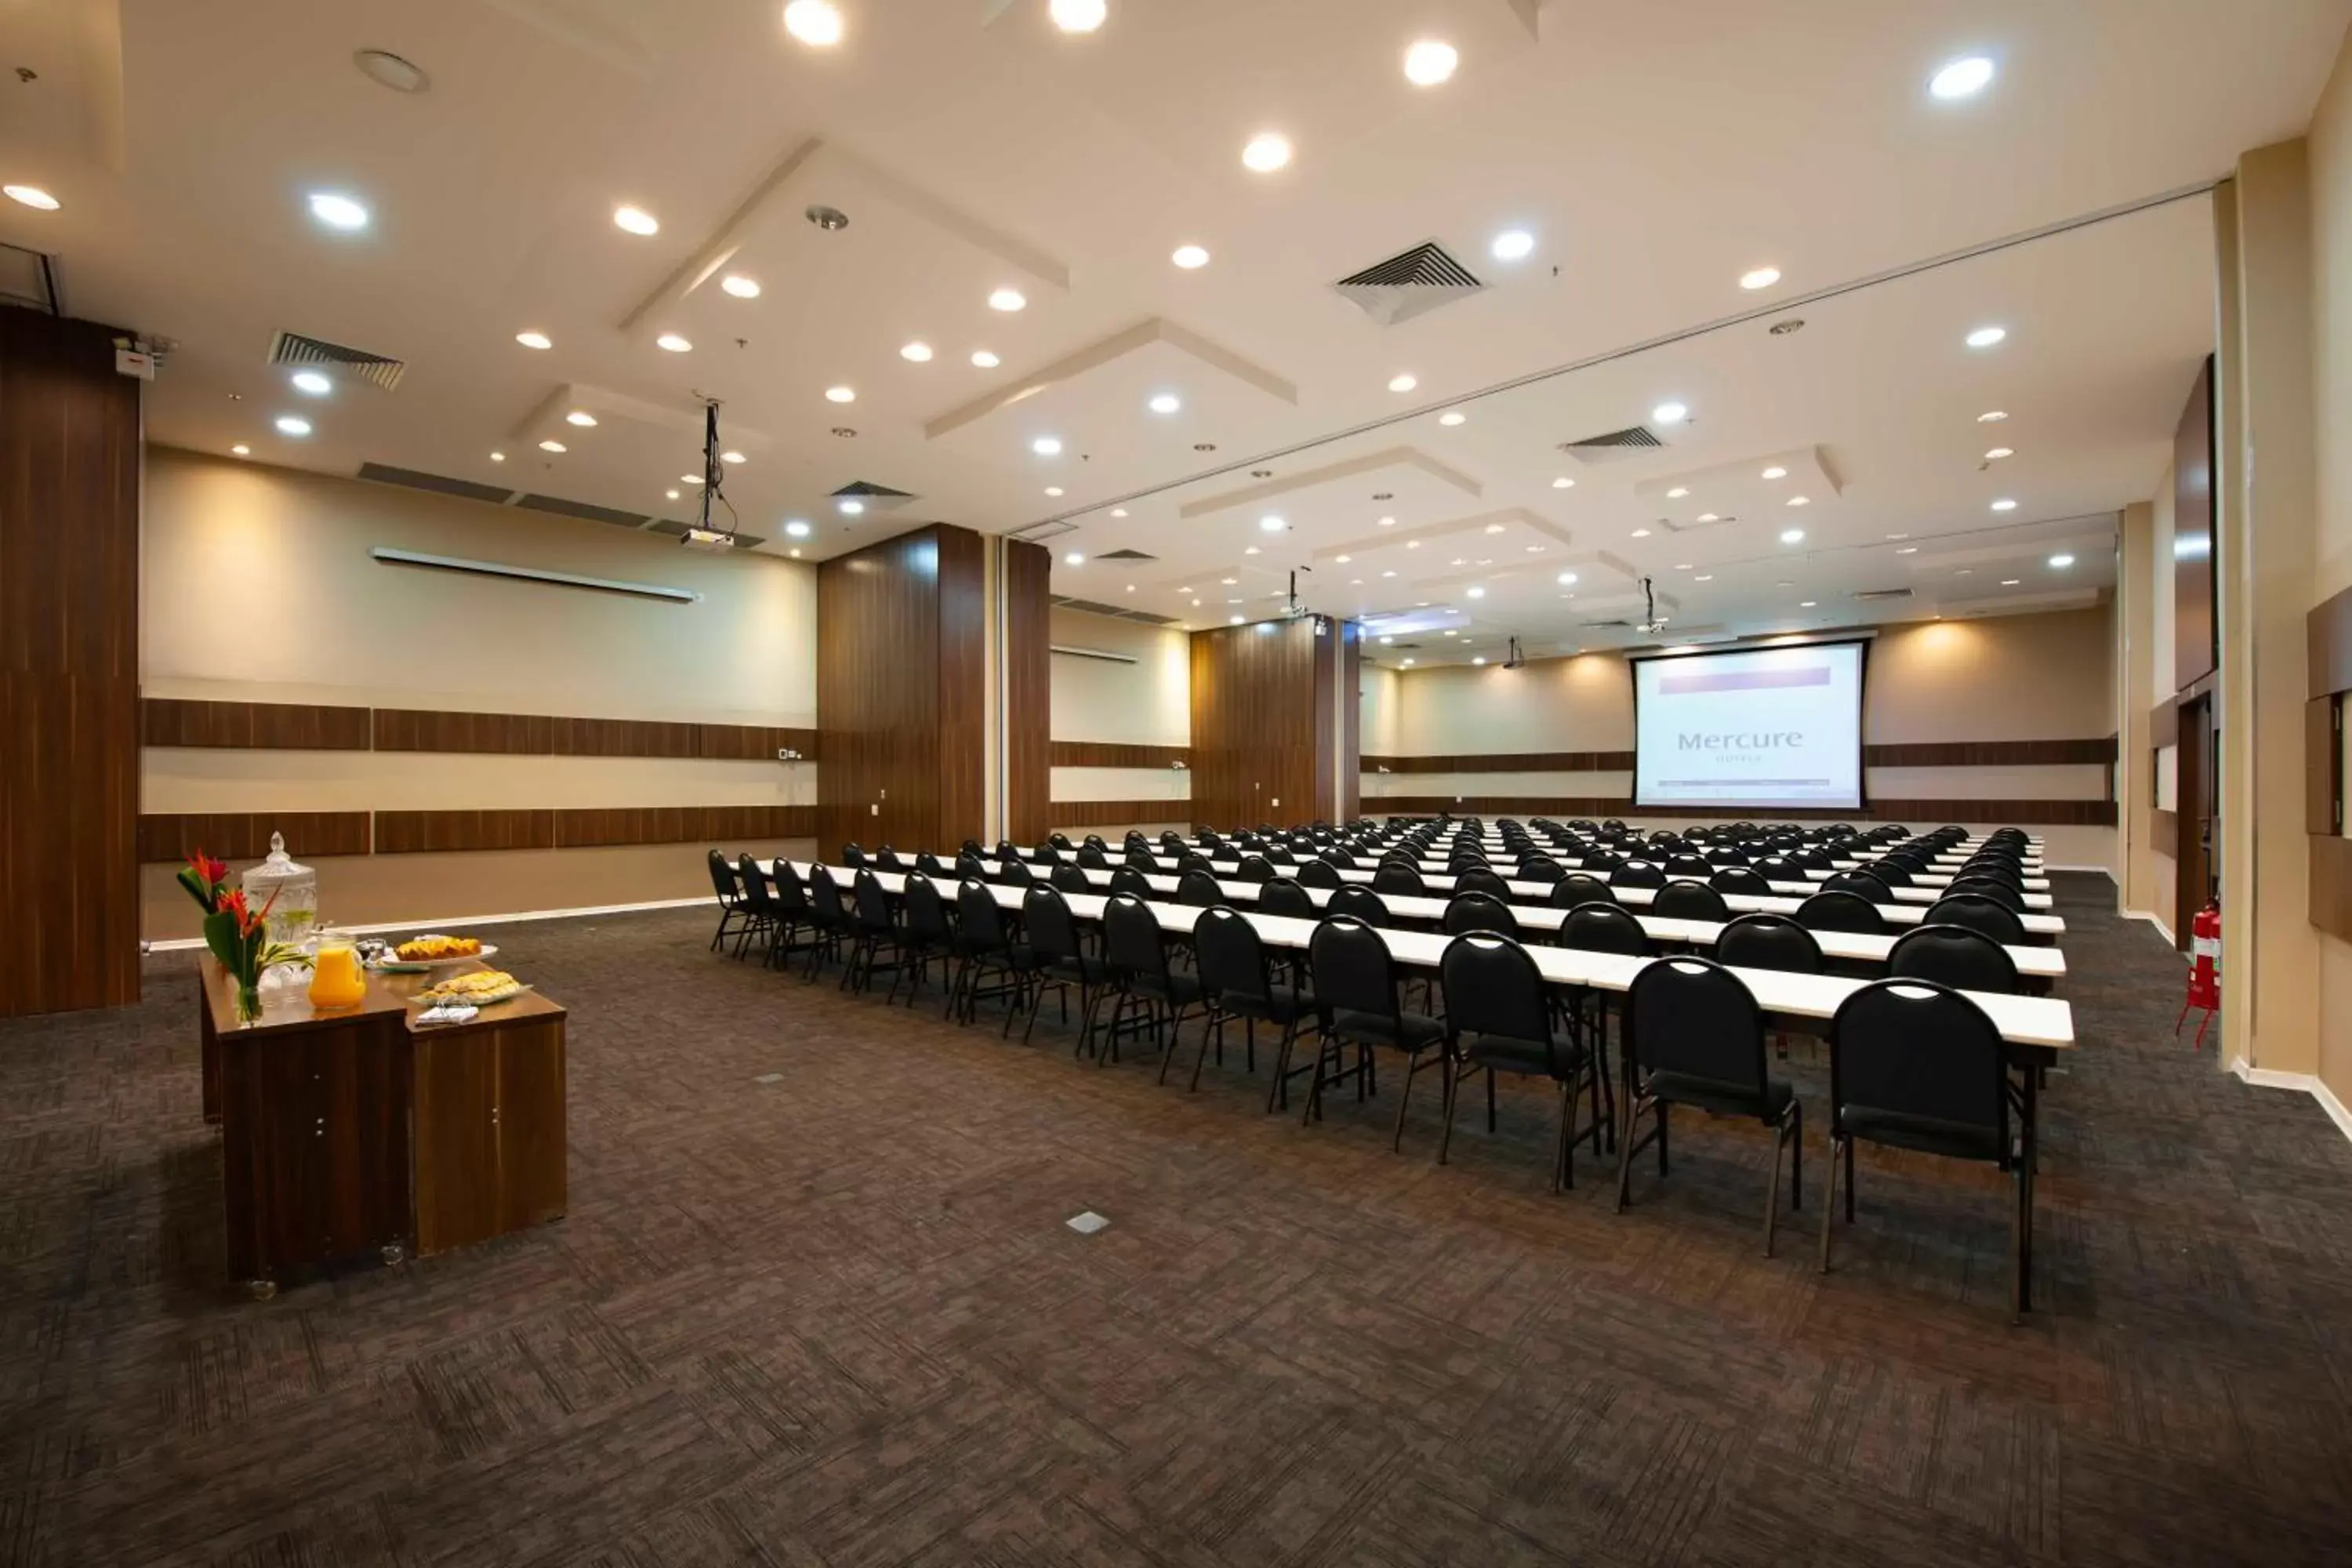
(356, 1132)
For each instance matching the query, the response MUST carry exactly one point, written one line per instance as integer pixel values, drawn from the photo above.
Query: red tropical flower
(210, 870)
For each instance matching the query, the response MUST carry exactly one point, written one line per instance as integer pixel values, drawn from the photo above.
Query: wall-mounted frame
(2329, 631)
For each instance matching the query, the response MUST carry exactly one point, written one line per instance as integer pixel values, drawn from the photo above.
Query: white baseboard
(2106, 871)
(2152, 917)
(2310, 1084)
(453, 922)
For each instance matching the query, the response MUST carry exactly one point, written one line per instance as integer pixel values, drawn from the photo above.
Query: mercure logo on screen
(1761, 740)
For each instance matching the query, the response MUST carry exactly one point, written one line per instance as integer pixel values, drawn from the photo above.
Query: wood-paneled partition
(1025, 582)
(1270, 741)
(69, 429)
(901, 692)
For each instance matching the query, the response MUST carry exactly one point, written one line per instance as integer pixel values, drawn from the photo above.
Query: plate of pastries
(435, 952)
(479, 989)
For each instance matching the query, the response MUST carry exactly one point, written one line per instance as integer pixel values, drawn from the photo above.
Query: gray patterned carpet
(838, 1318)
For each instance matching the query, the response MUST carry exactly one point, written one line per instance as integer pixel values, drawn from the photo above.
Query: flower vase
(248, 1001)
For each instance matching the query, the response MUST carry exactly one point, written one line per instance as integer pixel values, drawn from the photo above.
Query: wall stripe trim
(2023, 813)
(1117, 754)
(1912, 754)
(165, 838)
(297, 727)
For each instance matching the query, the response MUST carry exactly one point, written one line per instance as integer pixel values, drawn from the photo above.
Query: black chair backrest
(926, 913)
(1254, 868)
(1360, 903)
(873, 906)
(824, 897)
(980, 924)
(1482, 880)
(1637, 874)
(1576, 888)
(1139, 856)
(1687, 900)
(722, 879)
(1352, 968)
(1604, 927)
(1095, 858)
(1126, 879)
(1769, 941)
(1867, 884)
(2000, 893)
(1956, 956)
(1919, 1050)
(1602, 860)
(1014, 870)
(1979, 913)
(1402, 881)
(1319, 874)
(1131, 939)
(1194, 887)
(1284, 897)
(1540, 868)
(1045, 916)
(755, 886)
(970, 867)
(1059, 840)
(1693, 1015)
(1071, 880)
(792, 893)
(1192, 861)
(1727, 855)
(1744, 880)
(1895, 873)
(929, 866)
(1688, 865)
(1479, 912)
(887, 859)
(1231, 959)
(1840, 911)
(852, 856)
(1493, 987)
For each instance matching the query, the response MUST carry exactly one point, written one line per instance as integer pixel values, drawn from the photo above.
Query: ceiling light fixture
(1077, 16)
(1271, 523)
(671, 494)
(1776, 472)
(1807, 604)
(1761, 278)
(2060, 562)
(1678, 493)
(1404, 382)
(1992, 417)
(293, 424)
(797, 529)
(1963, 78)
(2011, 582)
(671, 342)
(1908, 550)
(1563, 483)
(1986, 337)
(242, 450)
(1166, 403)
(732, 457)
(840, 394)
(1476, 593)
(1800, 500)
(1710, 517)
(2004, 504)
(983, 360)
(1007, 301)
(581, 417)
(1074, 559)
(851, 507)
(1792, 536)
(1997, 453)
(312, 383)
(1190, 258)
(1046, 445)
(1641, 533)
(689, 478)
(1053, 490)
(1266, 153)
(1452, 417)
(1387, 522)
(1122, 511)
(636, 220)
(41, 200)
(743, 288)
(330, 208)
(552, 445)
(1670, 412)
(1429, 62)
(1494, 527)
(921, 354)
(1566, 579)
(817, 23)
(535, 339)
(1512, 245)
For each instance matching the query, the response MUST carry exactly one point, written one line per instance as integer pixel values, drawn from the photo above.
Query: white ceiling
(1655, 151)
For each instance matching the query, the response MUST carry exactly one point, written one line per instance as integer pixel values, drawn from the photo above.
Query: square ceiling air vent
(585, 510)
(1408, 284)
(1126, 556)
(1614, 446)
(376, 370)
(875, 498)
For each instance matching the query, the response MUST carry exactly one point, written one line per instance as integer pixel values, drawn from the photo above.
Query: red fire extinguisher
(2204, 970)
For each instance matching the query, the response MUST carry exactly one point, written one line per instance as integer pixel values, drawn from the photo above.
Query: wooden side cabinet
(489, 1139)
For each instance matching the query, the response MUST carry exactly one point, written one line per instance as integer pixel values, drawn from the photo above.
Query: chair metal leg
(1829, 1208)
(1563, 1168)
(1772, 1190)
(1454, 1076)
(1404, 1097)
(1200, 1060)
(1279, 1091)
(1849, 1180)
(1625, 1151)
(2021, 1227)
(1796, 1156)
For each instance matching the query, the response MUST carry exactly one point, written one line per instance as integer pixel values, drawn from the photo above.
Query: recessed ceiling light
(1641, 533)
(334, 210)
(636, 220)
(1190, 256)
(1387, 522)
(1565, 579)
(919, 352)
(1682, 565)
(1130, 587)
(293, 424)
(1670, 412)
(840, 394)
(2004, 504)
(1776, 472)
(242, 450)
(1077, 16)
(1908, 550)
(1476, 593)
(794, 554)
(1760, 277)
(732, 458)
(1563, 483)
(689, 478)
(535, 339)
(1535, 549)
(671, 494)
(1996, 454)
(1450, 632)
(1479, 659)
(1898, 536)
(984, 360)
(1412, 544)
(1271, 523)
(1232, 620)
(851, 507)
(2062, 561)
(1074, 558)
(1800, 500)
(1452, 417)
(1267, 153)
(1429, 62)
(673, 343)
(743, 288)
(311, 381)
(1807, 604)
(1512, 245)
(1494, 527)
(1405, 661)
(817, 23)
(1166, 403)
(1229, 582)
(1963, 78)
(581, 417)
(1404, 381)
(1387, 574)
(552, 445)
(40, 199)
(1710, 517)
(1007, 299)
(1046, 445)
(2011, 582)
(1985, 337)
(1792, 536)
(1704, 577)
(1678, 493)
(1992, 417)
(1122, 511)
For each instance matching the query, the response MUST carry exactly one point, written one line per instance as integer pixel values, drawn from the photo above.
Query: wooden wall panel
(2323, 764)
(2193, 648)
(425, 832)
(1086, 814)
(2329, 634)
(2090, 750)
(69, 458)
(726, 827)
(1327, 661)
(1030, 749)
(753, 743)
(2331, 885)
(2164, 833)
(962, 747)
(168, 837)
(626, 738)
(1254, 724)
(1117, 754)
(1507, 762)
(2020, 813)
(424, 730)
(878, 694)
(1350, 761)
(252, 726)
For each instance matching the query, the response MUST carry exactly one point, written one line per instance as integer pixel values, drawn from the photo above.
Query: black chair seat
(1082, 968)
(1182, 990)
(1958, 1140)
(1729, 1099)
(1504, 1053)
(1282, 1005)
(1409, 1031)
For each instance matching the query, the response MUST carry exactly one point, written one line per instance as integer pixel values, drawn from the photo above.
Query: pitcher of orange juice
(336, 979)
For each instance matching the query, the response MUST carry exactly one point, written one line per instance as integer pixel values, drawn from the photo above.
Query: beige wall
(1149, 702)
(258, 586)
(2330, 168)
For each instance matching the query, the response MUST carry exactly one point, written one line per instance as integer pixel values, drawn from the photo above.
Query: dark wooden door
(532, 1146)
(2201, 815)
(456, 1140)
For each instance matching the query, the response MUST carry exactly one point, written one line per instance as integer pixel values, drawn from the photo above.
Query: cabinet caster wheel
(261, 1290)
(394, 1255)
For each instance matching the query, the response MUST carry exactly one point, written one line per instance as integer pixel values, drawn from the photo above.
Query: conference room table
(2042, 964)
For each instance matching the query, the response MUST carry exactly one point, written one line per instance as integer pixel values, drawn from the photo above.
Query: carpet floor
(815, 1303)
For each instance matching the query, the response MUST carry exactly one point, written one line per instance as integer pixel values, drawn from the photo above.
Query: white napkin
(447, 1013)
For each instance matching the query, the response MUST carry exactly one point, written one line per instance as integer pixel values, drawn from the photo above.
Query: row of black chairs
(1691, 1031)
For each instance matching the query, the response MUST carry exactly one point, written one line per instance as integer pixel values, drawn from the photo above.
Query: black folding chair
(1237, 981)
(1498, 1018)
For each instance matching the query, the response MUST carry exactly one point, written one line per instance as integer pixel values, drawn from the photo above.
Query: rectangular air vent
(1037, 534)
(1614, 446)
(1671, 526)
(1088, 606)
(1148, 618)
(28, 278)
(581, 509)
(376, 370)
(440, 484)
(1409, 284)
(1872, 595)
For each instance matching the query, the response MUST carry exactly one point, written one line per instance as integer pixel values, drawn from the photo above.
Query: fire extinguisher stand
(2204, 971)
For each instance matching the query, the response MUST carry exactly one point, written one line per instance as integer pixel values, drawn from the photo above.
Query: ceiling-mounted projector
(707, 538)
